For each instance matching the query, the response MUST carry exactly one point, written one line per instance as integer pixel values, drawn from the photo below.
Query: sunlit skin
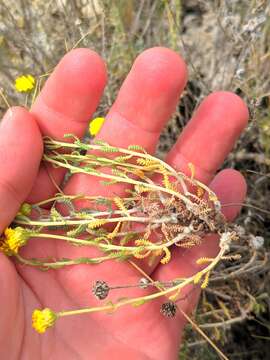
(144, 104)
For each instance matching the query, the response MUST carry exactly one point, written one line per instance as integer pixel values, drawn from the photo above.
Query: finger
(145, 102)
(20, 153)
(230, 187)
(210, 135)
(65, 105)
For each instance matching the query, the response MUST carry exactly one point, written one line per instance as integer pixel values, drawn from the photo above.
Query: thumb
(20, 153)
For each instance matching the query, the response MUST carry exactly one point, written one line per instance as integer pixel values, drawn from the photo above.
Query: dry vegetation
(226, 45)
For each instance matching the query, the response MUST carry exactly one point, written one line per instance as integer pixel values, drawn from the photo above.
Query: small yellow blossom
(13, 239)
(24, 83)
(95, 125)
(43, 319)
(4, 248)
(167, 257)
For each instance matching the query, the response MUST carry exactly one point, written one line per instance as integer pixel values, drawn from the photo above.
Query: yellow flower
(95, 125)
(4, 248)
(24, 83)
(13, 239)
(43, 319)
(167, 257)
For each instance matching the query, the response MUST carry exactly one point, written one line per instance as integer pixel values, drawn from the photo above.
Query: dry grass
(226, 45)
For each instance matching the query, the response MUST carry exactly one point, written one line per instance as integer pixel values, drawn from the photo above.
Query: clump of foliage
(160, 207)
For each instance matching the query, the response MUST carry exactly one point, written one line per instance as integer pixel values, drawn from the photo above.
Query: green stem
(118, 179)
(85, 222)
(178, 175)
(59, 264)
(111, 246)
(147, 297)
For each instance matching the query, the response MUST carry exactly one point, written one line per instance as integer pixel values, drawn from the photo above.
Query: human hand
(144, 104)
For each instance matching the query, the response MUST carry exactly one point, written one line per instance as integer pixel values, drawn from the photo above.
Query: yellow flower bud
(25, 209)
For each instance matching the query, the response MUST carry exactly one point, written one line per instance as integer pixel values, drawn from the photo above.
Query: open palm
(144, 104)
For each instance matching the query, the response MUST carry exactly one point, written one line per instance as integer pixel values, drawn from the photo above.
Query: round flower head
(100, 289)
(4, 247)
(43, 319)
(25, 83)
(144, 283)
(25, 209)
(168, 309)
(15, 238)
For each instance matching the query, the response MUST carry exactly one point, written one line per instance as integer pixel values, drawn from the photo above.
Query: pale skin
(144, 104)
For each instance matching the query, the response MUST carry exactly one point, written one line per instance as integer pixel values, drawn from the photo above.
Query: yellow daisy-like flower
(43, 319)
(13, 239)
(4, 248)
(25, 83)
(95, 125)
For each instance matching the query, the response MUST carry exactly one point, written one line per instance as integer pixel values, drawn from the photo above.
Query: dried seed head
(168, 309)
(100, 289)
(144, 283)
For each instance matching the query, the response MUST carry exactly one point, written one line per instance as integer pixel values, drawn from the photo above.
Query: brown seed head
(100, 289)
